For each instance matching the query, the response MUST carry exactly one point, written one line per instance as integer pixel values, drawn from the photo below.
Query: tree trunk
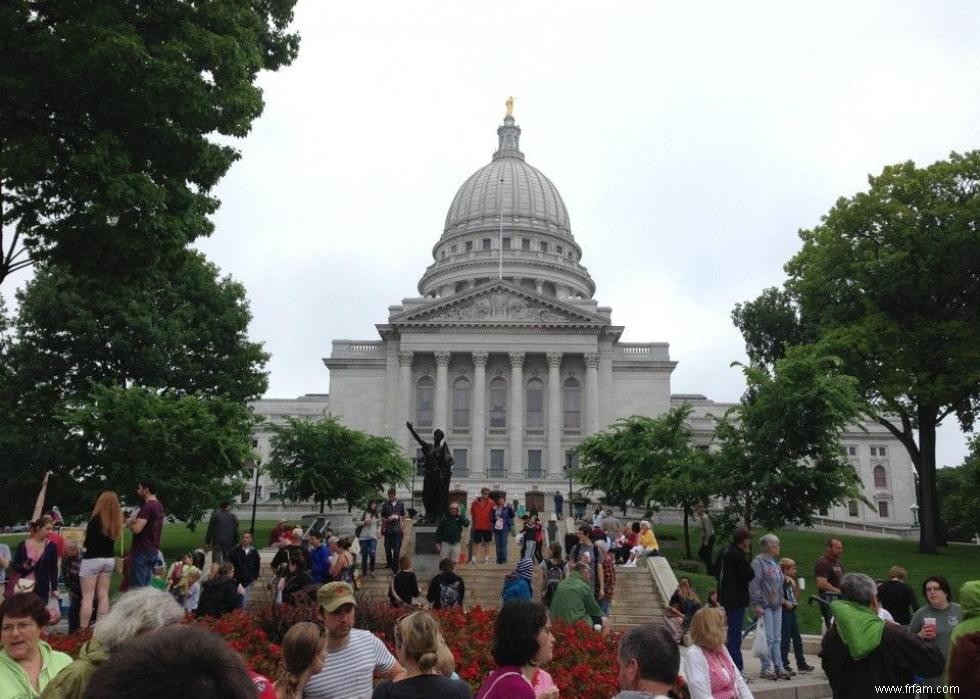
(321, 506)
(928, 500)
(687, 535)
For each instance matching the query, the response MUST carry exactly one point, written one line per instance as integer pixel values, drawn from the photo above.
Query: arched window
(572, 404)
(881, 478)
(425, 390)
(498, 403)
(461, 402)
(535, 403)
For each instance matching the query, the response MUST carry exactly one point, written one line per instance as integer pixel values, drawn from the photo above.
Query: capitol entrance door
(535, 501)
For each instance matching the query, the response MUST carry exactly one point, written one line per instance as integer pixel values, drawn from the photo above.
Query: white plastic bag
(54, 611)
(760, 647)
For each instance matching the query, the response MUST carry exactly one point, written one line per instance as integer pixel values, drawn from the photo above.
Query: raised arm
(415, 434)
(39, 503)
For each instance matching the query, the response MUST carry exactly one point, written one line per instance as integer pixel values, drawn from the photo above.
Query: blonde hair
(708, 628)
(786, 563)
(109, 513)
(301, 646)
(446, 664)
(418, 637)
(897, 572)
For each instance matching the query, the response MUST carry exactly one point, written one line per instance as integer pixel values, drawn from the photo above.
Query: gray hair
(858, 588)
(134, 613)
(656, 652)
(768, 541)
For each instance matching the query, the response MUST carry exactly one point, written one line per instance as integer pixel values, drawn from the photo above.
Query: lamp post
(915, 514)
(255, 493)
(568, 470)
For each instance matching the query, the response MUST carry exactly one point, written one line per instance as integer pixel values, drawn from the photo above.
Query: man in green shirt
(574, 601)
(449, 531)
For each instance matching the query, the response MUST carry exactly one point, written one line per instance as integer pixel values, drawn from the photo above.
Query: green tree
(180, 330)
(193, 447)
(959, 495)
(642, 459)
(888, 282)
(779, 457)
(107, 148)
(325, 461)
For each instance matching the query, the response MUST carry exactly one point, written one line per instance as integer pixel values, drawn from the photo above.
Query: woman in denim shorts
(98, 560)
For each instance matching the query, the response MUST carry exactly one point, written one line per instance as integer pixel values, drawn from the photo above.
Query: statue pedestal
(425, 558)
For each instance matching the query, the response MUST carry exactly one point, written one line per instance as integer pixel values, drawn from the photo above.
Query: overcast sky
(690, 142)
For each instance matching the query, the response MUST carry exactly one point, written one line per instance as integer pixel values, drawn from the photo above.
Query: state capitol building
(507, 350)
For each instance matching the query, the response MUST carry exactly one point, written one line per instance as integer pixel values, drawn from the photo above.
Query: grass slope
(957, 563)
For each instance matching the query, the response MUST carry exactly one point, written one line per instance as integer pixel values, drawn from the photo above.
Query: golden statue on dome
(510, 106)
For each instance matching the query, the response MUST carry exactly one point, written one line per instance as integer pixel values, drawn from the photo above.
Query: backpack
(515, 587)
(448, 594)
(554, 575)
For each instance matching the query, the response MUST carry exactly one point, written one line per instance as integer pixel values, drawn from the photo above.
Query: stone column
(516, 419)
(441, 412)
(405, 399)
(592, 392)
(478, 412)
(555, 457)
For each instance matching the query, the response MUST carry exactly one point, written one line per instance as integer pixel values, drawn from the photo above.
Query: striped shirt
(348, 673)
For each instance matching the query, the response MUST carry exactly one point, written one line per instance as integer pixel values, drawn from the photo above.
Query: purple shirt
(506, 682)
(149, 538)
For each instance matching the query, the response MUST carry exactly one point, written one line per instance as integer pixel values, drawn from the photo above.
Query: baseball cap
(334, 595)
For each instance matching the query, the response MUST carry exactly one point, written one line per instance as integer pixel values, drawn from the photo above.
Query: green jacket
(574, 600)
(450, 529)
(859, 627)
(73, 680)
(970, 608)
(13, 680)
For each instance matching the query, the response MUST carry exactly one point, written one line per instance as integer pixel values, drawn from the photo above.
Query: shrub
(688, 566)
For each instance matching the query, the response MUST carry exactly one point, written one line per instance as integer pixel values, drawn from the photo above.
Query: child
(159, 579)
(791, 627)
(193, 590)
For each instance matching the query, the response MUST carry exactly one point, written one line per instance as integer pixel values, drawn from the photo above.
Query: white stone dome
(527, 199)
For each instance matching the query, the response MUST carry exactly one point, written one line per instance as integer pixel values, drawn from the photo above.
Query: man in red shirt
(481, 515)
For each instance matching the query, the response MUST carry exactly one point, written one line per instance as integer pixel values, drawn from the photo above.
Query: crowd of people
(877, 633)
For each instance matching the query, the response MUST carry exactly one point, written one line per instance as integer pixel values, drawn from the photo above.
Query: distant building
(506, 350)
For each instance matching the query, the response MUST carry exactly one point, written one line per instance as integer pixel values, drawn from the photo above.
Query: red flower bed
(584, 664)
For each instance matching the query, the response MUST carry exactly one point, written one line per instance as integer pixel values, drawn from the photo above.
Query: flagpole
(500, 218)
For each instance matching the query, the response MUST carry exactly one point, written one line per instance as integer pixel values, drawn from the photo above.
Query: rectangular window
(852, 508)
(544, 246)
(883, 510)
(558, 249)
(460, 467)
(258, 491)
(469, 245)
(525, 244)
(852, 451)
(498, 406)
(486, 243)
(534, 463)
(823, 511)
(497, 462)
(452, 248)
(506, 243)
(878, 451)
(255, 444)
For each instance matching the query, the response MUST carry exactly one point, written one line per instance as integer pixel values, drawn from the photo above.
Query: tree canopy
(325, 461)
(959, 495)
(192, 447)
(180, 330)
(640, 460)
(889, 282)
(779, 457)
(107, 155)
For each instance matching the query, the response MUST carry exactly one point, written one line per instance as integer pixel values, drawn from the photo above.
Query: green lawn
(958, 563)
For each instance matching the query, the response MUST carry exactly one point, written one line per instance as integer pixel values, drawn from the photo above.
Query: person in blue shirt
(319, 559)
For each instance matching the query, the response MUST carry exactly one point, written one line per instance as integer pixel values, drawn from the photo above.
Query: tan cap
(334, 595)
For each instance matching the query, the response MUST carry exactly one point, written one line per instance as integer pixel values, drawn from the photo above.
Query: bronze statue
(438, 472)
(510, 106)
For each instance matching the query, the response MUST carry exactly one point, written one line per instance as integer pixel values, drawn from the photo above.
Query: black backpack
(555, 573)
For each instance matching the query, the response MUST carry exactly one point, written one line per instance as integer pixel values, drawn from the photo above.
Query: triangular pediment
(498, 303)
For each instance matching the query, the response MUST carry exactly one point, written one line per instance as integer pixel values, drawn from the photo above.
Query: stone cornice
(497, 304)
